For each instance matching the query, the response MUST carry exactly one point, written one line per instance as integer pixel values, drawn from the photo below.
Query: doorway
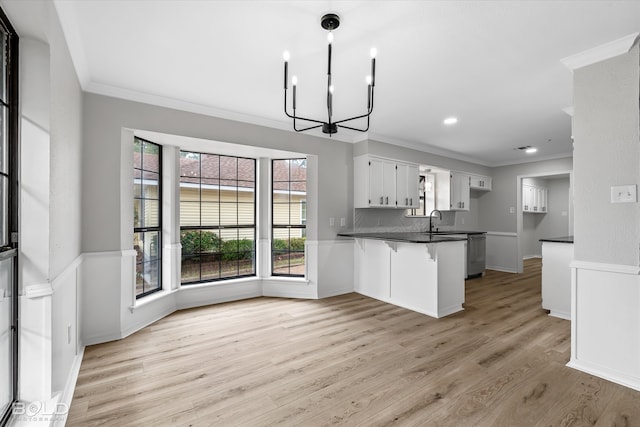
(544, 210)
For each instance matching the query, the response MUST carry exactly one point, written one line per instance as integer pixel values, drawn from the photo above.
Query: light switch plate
(624, 194)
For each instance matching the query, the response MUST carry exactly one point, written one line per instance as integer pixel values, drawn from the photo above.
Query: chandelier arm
(353, 118)
(359, 117)
(308, 128)
(294, 117)
(352, 128)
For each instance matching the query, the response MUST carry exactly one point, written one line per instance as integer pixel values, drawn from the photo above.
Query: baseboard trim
(502, 269)
(70, 386)
(598, 371)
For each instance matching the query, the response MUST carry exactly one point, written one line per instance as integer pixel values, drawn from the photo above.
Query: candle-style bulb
(330, 37)
(368, 80)
(373, 52)
(285, 55)
(294, 80)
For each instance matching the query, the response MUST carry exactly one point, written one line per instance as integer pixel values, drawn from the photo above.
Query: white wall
(606, 270)
(50, 193)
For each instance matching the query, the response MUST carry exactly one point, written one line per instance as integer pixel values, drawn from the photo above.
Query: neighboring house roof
(229, 171)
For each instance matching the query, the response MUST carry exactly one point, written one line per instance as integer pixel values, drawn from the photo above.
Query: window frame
(145, 229)
(289, 226)
(220, 227)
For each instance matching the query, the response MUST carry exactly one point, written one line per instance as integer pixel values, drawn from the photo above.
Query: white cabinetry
(407, 181)
(479, 182)
(556, 278)
(385, 183)
(534, 199)
(427, 278)
(459, 192)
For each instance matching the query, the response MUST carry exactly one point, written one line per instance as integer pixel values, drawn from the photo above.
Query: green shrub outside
(194, 242)
(297, 244)
(233, 250)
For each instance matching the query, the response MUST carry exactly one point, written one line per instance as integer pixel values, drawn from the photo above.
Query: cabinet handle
(386, 200)
(406, 200)
(381, 200)
(411, 201)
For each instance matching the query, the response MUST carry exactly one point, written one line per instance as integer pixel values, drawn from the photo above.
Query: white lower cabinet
(556, 278)
(423, 277)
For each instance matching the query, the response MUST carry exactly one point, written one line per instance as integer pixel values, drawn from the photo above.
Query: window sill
(220, 283)
(285, 279)
(151, 298)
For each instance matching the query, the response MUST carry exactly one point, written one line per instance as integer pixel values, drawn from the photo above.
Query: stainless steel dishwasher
(476, 249)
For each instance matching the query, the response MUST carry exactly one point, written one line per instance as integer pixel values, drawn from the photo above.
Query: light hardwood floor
(352, 360)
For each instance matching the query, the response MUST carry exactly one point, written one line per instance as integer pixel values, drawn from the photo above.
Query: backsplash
(395, 220)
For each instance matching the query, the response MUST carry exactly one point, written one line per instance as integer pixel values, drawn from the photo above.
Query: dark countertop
(563, 239)
(459, 232)
(406, 237)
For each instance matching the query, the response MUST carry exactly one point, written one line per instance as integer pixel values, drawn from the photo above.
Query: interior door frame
(519, 219)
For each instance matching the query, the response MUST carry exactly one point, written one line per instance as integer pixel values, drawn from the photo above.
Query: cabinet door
(402, 186)
(389, 184)
(376, 182)
(459, 192)
(543, 200)
(413, 181)
(479, 182)
(526, 198)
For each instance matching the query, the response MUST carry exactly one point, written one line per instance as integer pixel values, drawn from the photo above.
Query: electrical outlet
(512, 209)
(332, 221)
(343, 222)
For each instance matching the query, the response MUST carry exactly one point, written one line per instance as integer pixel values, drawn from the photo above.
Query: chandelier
(329, 22)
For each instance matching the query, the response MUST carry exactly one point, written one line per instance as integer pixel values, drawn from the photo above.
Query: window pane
(189, 214)
(210, 214)
(210, 166)
(189, 192)
(189, 164)
(228, 168)
(4, 141)
(137, 213)
(247, 170)
(228, 213)
(151, 213)
(3, 67)
(210, 267)
(147, 215)
(223, 201)
(246, 213)
(190, 269)
(4, 210)
(280, 170)
(289, 216)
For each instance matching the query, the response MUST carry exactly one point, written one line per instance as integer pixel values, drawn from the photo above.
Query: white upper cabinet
(534, 199)
(407, 183)
(459, 192)
(385, 183)
(479, 182)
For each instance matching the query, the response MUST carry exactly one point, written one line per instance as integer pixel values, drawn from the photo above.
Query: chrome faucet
(431, 217)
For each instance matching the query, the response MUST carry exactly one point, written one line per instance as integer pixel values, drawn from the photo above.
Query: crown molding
(600, 53)
(426, 148)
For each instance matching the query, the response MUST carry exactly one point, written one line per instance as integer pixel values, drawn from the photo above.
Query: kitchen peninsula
(422, 272)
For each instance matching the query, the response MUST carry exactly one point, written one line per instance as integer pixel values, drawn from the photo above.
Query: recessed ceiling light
(531, 150)
(450, 121)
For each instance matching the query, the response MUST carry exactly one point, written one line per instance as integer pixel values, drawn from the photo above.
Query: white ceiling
(493, 64)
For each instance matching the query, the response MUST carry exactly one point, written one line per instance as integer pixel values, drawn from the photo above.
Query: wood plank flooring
(352, 360)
